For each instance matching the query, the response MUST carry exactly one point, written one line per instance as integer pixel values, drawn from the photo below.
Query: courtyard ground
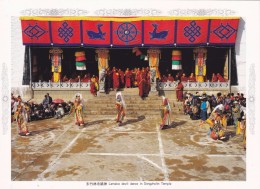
(138, 150)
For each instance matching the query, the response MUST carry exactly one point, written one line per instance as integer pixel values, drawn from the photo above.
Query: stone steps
(104, 104)
(128, 113)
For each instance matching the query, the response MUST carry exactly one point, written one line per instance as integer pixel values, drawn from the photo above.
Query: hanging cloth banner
(129, 32)
(35, 32)
(223, 31)
(176, 60)
(80, 60)
(96, 33)
(159, 32)
(66, 32)
(192, 32)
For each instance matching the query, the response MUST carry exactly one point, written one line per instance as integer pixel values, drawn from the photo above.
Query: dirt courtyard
(138, 150)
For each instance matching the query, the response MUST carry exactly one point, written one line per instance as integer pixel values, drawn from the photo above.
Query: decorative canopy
(129, 32)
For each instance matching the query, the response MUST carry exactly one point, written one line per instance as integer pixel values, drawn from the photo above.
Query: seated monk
(184, 78)
(214, 78)
(65, 79)
(85, 78)
(170, 78)
(220, 78)
(164, 78)
(77, 79)
(192, 78)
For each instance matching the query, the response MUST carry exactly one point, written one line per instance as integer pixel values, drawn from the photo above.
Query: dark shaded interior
(123, 58)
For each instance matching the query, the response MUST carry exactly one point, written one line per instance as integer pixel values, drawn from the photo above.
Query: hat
(235, 102)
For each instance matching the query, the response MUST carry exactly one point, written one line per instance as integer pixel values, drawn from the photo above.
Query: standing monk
(115, 80)
(121, 78)
(179, 91)
(120, 107)
(127, 78)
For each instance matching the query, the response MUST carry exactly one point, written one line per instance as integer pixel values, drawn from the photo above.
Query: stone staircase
(104, 104)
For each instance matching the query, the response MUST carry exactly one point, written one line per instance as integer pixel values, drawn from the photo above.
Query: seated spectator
(59, 112)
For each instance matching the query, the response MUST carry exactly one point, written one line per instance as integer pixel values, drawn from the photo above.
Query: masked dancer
(78, 108)
(120, 107)
(21, 118)
(165, 112)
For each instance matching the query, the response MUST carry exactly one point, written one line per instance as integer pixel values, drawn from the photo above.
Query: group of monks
(183, 78)
(130, 78)
(85, 78)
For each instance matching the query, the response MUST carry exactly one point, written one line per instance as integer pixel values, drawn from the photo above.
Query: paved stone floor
(58, 150)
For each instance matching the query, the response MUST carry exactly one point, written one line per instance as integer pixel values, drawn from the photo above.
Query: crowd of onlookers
(37, 111)
(221, 109)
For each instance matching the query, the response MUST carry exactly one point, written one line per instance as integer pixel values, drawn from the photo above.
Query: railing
(193, 85)
(60, 85)
(160, 86)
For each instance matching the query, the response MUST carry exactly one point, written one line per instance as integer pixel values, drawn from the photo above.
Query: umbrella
(58, 101)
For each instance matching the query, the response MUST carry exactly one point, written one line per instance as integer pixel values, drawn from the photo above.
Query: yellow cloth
(56, 77)
(238, 128)
(59, 68)
(200, 78)
(209, 121)
(176, 52)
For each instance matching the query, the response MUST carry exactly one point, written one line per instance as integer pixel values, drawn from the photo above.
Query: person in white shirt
(59, 112)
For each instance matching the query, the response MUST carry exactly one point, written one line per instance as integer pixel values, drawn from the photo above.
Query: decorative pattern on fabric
(224, 31)
(65, 32)
(124, 32)
(127, 33)
(34, 31)
(192, 31)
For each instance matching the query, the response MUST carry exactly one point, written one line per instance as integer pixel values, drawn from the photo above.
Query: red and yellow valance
(127, 32)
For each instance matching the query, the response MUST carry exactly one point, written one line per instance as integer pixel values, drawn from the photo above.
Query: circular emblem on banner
(126, 32)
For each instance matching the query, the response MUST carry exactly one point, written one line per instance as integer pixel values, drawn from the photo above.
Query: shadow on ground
(130, 121)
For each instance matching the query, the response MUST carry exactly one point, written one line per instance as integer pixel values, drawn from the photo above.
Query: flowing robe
(127, 79)
(179, 91)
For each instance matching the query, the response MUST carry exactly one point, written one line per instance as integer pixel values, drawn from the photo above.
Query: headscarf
(81, 102)
(165, 101)
(119, 97)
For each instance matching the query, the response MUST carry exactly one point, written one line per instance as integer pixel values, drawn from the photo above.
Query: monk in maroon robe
(192, 78)
(170, 78)
(127, 78)
(184, 78)
(214, 78)
(115, 80)
(138, 76)
(121, 77)
(220, 78)
(179, 91)
(65, 79)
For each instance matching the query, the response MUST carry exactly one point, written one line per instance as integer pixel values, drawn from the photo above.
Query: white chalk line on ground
(51, 165)
(151, 162)
(164, 167)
